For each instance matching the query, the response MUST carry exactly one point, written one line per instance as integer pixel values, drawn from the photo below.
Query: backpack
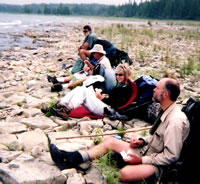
(142, 106)
(122, 57)
(190, 152)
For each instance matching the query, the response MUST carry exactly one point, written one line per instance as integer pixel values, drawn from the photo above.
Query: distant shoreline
(14, 25)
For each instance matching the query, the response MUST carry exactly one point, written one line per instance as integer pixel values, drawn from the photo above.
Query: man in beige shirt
(162, 148)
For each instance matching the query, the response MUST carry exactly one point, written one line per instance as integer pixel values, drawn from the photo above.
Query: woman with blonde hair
(94, 99)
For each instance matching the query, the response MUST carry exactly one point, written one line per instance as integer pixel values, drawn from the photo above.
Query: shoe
(114, 115)
(63, 112)
(56, 87)
(52, 79)
(57, 155)
(44, 110)
(65, 159)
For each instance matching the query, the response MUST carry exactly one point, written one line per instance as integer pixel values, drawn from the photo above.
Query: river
(12, 25)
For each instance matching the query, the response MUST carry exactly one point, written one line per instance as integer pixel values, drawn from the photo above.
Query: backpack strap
(133, 94)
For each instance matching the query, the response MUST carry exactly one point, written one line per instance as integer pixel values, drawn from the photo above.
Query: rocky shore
(24, 89)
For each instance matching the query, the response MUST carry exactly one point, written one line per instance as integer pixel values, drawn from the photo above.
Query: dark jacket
(118, 96)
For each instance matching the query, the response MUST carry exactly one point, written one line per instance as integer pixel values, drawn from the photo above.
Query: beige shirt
(105, 62)
(166, 143)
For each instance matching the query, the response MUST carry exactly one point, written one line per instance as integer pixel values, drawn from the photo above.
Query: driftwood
(114, 133)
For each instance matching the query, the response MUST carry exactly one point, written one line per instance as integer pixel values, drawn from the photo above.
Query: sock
(65, 86)
(60, 79)
(85, 156)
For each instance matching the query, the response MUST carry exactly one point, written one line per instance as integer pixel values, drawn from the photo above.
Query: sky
(21, 2)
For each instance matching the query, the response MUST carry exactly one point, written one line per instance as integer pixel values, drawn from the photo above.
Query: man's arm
(85, 46)
(172, 143)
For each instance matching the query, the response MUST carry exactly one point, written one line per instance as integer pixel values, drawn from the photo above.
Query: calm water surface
(11, 25)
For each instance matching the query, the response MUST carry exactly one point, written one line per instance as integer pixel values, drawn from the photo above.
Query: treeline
(159, 9)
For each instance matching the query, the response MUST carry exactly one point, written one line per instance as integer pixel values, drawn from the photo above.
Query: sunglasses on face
(119, 74)
(85, 31)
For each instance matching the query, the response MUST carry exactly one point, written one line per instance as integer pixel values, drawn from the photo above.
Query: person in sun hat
(101, 67)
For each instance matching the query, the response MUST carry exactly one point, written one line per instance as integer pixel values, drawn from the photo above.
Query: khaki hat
(98, 48)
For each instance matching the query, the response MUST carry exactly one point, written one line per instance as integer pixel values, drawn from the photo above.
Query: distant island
(154, 9)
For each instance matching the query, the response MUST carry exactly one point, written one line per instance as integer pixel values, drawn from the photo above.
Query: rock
(93, 123)
(94, 176)
(8, 156)
(41, 122)
(77, 178)
(7, 139)
(32, 139)
(12, 128)
(26, 169)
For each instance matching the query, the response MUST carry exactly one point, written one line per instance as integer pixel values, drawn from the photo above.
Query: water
(13, 25)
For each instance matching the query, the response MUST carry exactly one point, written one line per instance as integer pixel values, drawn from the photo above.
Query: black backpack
(190, 152)
(122, 57)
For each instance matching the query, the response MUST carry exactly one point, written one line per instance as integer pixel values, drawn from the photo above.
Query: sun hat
(98, 48)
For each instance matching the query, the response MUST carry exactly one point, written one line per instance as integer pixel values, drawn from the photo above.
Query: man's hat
(98, 48)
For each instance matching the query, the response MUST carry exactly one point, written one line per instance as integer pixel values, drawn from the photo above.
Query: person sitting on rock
(94, 99)
(89, 69)
(83, 50)
(161, 149)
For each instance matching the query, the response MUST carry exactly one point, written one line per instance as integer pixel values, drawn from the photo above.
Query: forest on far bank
(155, 9)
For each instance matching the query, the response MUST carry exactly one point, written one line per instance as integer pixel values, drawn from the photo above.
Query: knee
(108, 141)
(82, 51)
(124, 176)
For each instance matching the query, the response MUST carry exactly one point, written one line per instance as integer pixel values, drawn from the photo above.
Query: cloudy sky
(114, 2)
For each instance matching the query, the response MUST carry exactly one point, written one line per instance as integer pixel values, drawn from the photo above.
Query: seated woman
(89, 69)
(93, 98)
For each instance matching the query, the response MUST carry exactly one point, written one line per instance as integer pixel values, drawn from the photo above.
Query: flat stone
(41, 122)
(12, 128)
(32, 139)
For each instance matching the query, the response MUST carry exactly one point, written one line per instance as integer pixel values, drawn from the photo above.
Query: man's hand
(136, 143)
(86, 68)
(133, 158)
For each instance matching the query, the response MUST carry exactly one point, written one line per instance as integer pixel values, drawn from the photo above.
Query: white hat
(98, 48)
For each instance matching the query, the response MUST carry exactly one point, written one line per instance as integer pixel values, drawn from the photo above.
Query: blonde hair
(126, 71)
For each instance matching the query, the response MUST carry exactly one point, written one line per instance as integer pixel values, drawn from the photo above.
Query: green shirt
(91, 39)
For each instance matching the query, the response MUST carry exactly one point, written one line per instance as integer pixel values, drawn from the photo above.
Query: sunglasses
(85, 31)
(119, 74)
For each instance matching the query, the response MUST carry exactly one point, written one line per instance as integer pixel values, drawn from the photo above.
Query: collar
(167, 111)
(100, 58)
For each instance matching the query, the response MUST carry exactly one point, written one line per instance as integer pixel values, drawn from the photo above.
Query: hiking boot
(56, 87)
(62, 113)
(65, 159)
(114, 115)
(52, 79)
(44, 110)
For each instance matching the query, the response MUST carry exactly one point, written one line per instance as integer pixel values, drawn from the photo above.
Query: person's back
(109, 48)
